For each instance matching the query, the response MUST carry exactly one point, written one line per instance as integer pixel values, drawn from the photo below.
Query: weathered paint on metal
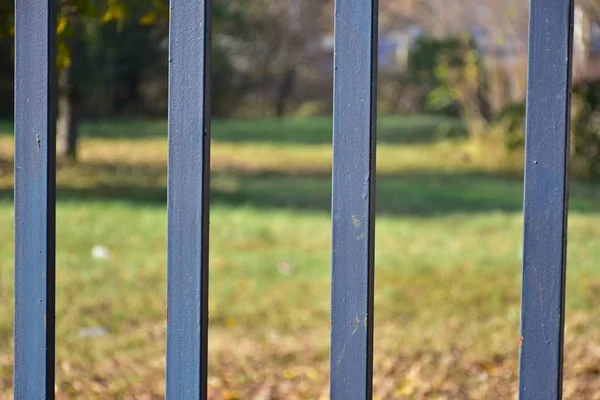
(546, 195)
(35, 124)
(353, 202)
(188, 199)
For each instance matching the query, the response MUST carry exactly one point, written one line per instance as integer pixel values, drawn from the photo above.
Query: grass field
(447, 264)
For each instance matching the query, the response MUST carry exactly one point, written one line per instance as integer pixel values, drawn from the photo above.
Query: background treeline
(274, 59)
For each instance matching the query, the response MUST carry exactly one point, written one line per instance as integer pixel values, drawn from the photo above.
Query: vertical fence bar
(188, 199)
(35, 126)
(546, 196)
(353, 213)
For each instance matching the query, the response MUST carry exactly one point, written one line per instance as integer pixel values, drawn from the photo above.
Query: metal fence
(353, 216)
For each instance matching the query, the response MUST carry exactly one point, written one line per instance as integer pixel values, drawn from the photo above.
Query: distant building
(393, 47)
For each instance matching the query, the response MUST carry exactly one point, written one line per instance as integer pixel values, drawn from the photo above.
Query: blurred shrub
(585, 128)
(453, 79)
(511, 122)
(449, 129)
(422, 65)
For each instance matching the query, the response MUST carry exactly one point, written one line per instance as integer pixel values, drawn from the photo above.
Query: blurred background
(452, 82)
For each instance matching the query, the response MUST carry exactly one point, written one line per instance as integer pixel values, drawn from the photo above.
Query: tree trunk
(67, 129)
(285, 90)
(67, 124)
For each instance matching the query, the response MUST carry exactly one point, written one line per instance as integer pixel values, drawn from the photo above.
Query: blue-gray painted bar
(546, 195)
(35, 124)
(188, 198)
(353, 213)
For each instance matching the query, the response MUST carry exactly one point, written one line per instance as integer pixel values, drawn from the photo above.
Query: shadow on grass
(418, 193)
(401, 130)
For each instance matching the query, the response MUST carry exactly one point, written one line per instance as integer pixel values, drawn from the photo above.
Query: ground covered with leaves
(447, 265)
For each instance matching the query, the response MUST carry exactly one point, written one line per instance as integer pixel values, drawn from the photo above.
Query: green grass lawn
(447, 264)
